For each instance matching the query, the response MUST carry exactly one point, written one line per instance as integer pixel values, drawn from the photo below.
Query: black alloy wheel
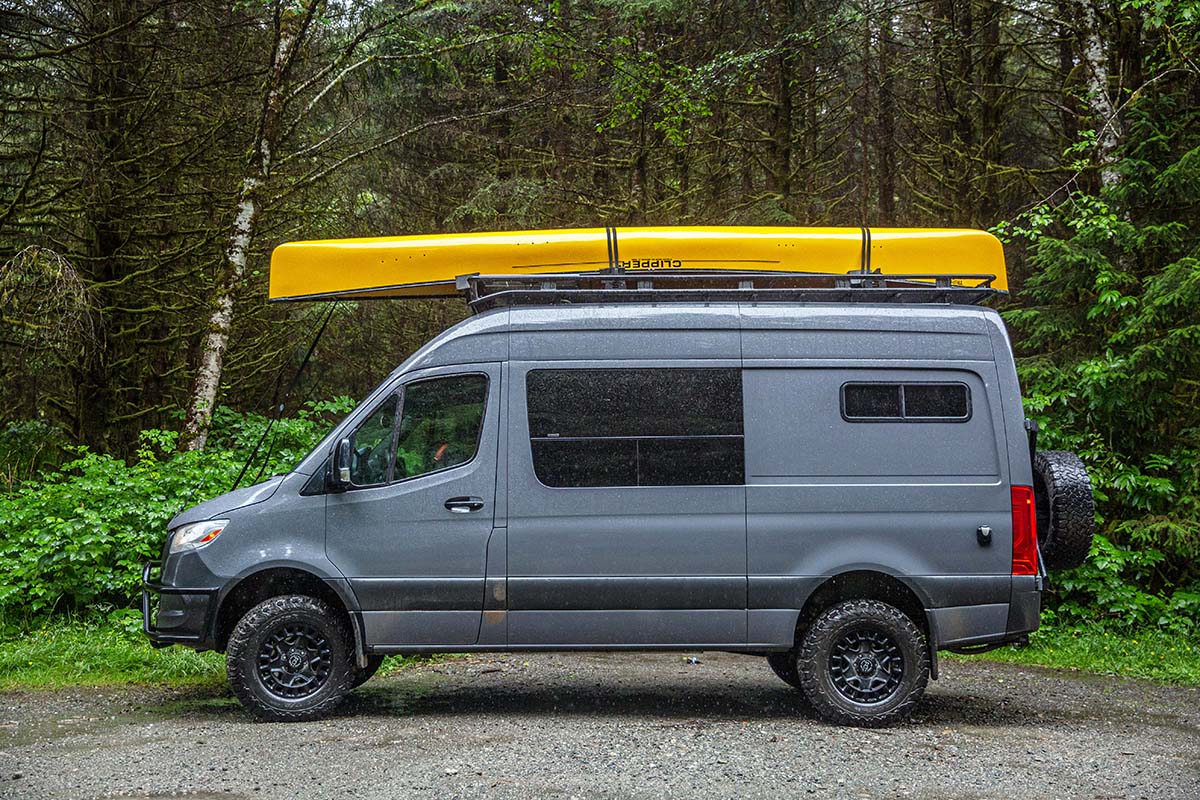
(294, 661)
(864, 663)
(289, 659)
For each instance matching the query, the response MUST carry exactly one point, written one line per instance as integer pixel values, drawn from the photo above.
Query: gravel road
(608, 725)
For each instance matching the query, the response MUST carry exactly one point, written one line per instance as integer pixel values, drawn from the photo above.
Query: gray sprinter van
(841, 480)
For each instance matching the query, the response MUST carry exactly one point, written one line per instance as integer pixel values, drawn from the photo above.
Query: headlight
(196, 535)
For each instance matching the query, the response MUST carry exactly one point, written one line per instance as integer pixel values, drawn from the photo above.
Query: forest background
(152, 152)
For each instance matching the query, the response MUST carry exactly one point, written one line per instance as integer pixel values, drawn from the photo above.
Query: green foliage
(643, 81)
(1108, 337)
(521, 200)
(1162, 13)
(1109, 591)
(76, 538)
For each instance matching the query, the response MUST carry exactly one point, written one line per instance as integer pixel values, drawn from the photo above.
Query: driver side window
(440, 425)
(371, 446)
(439, 429)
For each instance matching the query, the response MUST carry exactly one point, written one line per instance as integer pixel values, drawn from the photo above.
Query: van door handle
(464, 505)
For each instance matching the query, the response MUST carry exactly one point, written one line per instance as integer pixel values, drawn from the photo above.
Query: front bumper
(185, 615)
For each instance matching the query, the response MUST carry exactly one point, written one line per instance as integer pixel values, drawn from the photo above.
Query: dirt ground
(612, 725)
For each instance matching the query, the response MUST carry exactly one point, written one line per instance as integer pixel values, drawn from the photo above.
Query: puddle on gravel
(388, 698)
(33, 731)
(28, 719)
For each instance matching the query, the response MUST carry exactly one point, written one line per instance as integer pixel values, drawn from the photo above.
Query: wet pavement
(612, 725)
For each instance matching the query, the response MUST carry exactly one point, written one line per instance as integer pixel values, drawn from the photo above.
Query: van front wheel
(364, 674)
(864, 663)
(289, 660)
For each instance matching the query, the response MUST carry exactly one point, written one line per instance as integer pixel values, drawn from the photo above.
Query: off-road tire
(784, 665)
(1066, 511)
(364, 674)
(854, 618)
(247, 643)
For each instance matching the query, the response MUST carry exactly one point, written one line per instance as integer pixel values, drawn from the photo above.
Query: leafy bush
(75, 539)
(1109, 591)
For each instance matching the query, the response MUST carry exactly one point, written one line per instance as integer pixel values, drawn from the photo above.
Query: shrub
(75, 539)
(1110, 590)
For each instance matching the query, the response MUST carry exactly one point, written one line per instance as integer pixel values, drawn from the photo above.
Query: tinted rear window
(871, 400)
(636, 427)
(942, 400)
(874, 402)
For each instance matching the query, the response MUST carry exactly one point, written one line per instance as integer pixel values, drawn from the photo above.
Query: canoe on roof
(426, 266)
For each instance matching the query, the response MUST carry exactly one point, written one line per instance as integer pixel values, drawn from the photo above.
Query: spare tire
(1066, 511)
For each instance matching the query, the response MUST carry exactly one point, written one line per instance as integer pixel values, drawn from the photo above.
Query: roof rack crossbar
(659, 286)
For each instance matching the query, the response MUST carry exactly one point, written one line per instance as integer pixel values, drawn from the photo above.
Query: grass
(112, 652)
(1156, 655)
(82, 652)
(94, 653)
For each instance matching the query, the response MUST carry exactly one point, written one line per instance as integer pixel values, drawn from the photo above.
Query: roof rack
(485, 292)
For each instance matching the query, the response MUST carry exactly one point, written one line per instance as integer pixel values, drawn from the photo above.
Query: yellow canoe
(426, 266)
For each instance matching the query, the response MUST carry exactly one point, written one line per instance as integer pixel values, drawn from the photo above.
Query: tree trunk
(991, 117)
(887, 121)
(864, 130)
(1104, 113)
(293, 26)
(779, 124)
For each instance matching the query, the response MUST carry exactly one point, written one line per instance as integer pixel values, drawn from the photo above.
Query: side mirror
(339, 472)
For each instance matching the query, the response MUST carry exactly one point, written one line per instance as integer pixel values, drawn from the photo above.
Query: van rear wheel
(784, 665)
(289, 660)
(864, 663)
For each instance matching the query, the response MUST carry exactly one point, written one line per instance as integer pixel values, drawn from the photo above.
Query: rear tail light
(1024, 531)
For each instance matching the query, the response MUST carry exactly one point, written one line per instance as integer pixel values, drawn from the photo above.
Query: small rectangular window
(936, 400)
(895, 402)
(871, 400)
(636, 427)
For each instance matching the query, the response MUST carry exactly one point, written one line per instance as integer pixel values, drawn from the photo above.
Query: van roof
(614, 316)
(676, 331)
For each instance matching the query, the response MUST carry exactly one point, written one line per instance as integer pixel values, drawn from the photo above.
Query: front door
(412, 532)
